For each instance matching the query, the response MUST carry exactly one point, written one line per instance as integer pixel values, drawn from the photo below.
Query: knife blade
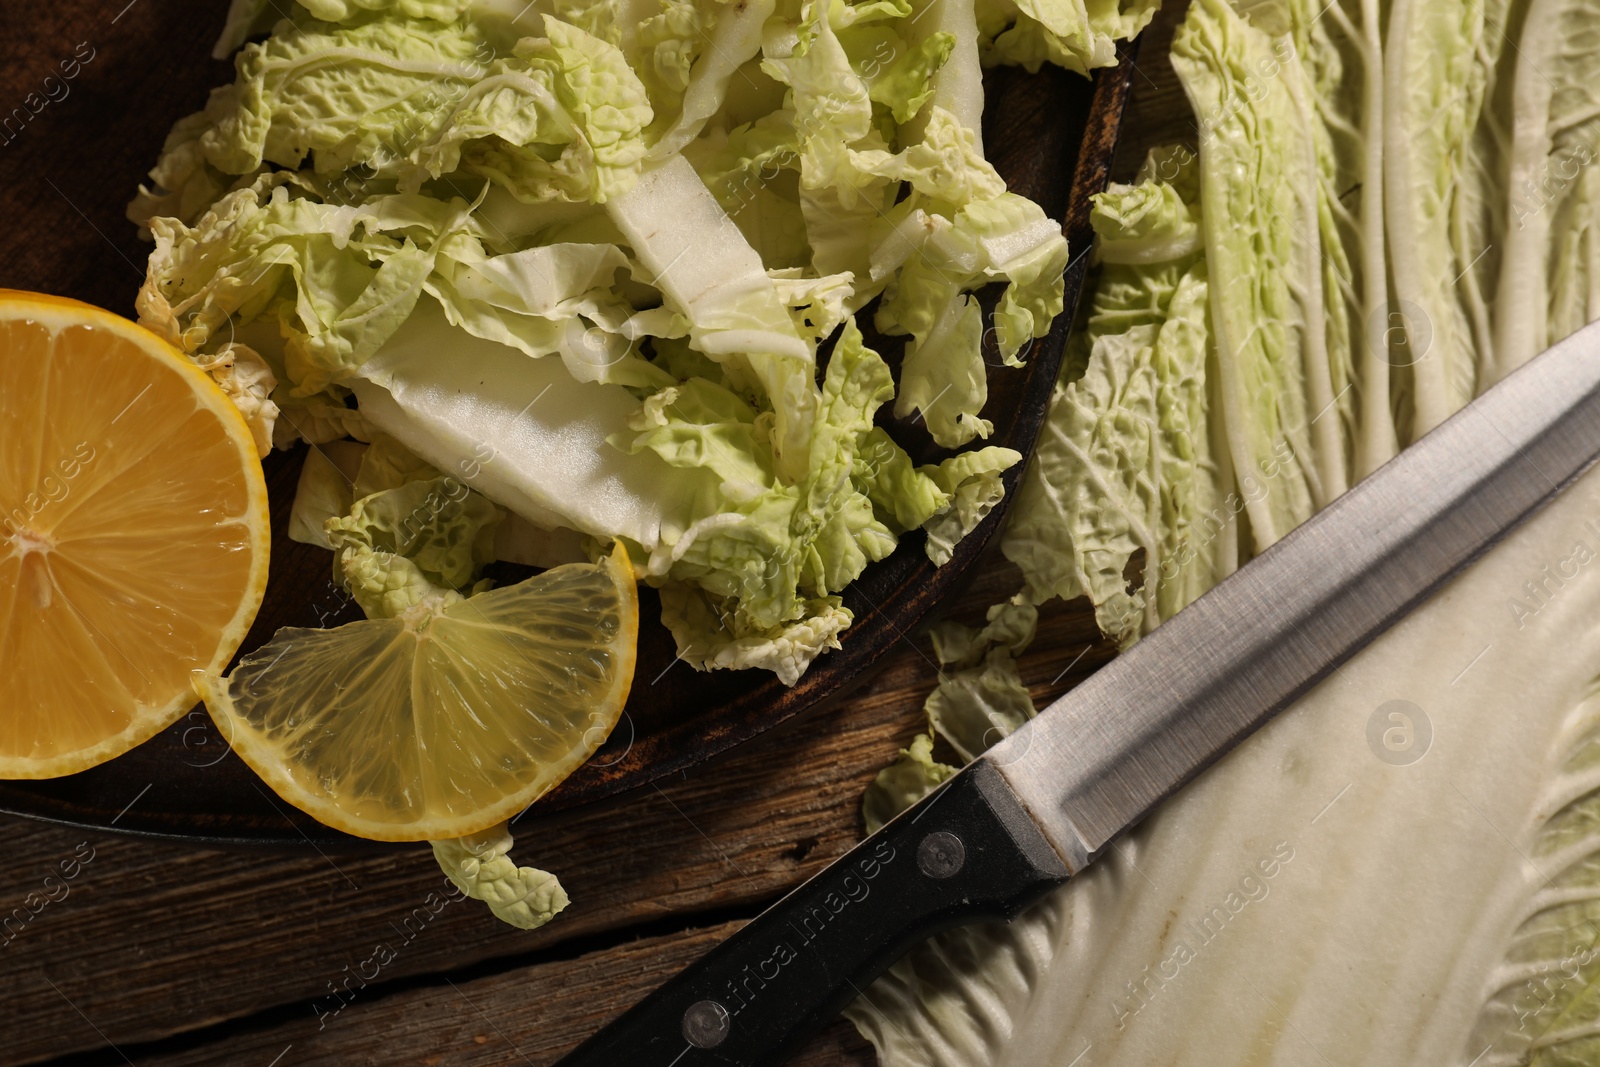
(1044, 803)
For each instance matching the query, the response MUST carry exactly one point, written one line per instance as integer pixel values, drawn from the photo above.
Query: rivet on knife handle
(970, 852)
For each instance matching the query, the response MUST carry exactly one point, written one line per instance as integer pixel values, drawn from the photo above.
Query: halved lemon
(443, 721)
(133, 534)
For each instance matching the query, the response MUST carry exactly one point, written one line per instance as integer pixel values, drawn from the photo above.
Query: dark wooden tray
(66, 176)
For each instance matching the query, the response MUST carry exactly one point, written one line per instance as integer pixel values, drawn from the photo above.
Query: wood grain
(1158, 112)
(193, 937)
(530, 1017)
(62, 136)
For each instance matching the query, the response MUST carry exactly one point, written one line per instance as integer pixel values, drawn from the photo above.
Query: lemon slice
(133, 534)
(445, 720)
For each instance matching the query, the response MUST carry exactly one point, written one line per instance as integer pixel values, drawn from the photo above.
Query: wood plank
(531, 1017)
(193, 937)
(1158, 112)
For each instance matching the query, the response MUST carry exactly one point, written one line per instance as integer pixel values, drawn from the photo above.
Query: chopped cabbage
(534, 278)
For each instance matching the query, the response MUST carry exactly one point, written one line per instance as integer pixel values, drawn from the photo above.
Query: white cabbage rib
(1434, 83)
(701, 261)
(1377, 442)
(735, 41)
(1550, 267)
(1261, 186)
(1308, 902)
(531, 437)
(1326, 360)
(958, 85)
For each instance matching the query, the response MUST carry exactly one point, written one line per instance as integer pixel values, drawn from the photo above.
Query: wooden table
(159, 954)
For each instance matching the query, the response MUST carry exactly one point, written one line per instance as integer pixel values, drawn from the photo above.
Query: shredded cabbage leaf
(481, 867)
(528, 280)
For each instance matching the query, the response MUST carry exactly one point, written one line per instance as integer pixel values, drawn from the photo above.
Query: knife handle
(968, 852)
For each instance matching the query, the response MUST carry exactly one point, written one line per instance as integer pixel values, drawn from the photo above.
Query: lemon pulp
(443, 721)
(133, 534)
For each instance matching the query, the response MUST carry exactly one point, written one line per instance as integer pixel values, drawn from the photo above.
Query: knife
(1044, 803)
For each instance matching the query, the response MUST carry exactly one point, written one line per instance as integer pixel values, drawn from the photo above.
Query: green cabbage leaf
(482, 868)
